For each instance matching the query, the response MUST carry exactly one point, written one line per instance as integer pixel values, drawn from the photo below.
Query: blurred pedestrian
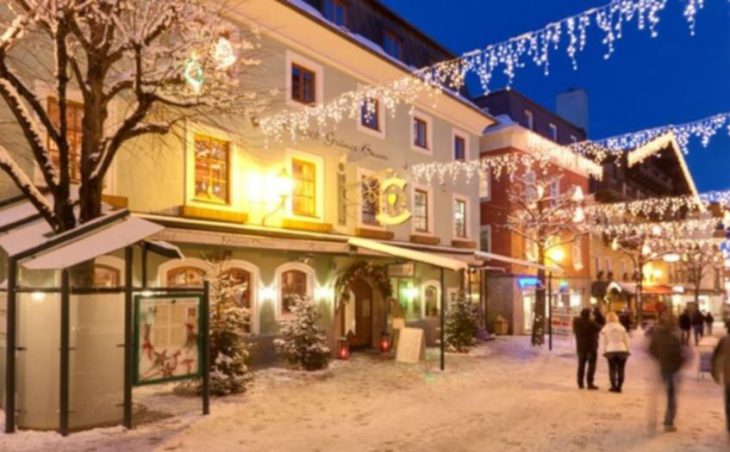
(615, 341)
(625, 320)
(721, 372)
(666, 348)
(598, 317)
(698, 324)
(709, 320)
(586, 344)
(685, 325)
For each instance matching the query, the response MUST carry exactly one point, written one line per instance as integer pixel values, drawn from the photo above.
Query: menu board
(168, 344)
(411, 348)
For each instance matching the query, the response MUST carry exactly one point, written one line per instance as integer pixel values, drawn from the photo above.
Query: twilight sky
(674, 78)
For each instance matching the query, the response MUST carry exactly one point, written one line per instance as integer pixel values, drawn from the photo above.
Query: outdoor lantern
(384, 342)
(343, 349)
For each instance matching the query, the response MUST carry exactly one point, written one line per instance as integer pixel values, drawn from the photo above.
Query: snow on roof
(17, 212)
(418, 256)
(29, 236)
(118, 235)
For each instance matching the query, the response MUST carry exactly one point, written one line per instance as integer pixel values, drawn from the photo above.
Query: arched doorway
(358, 314)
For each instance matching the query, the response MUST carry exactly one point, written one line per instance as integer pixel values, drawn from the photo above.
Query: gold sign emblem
(393, 205)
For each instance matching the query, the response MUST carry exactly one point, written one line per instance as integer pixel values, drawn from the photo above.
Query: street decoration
(393, 202)
(378, 274)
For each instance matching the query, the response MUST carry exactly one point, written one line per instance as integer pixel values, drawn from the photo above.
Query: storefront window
(185, 277)
(293, 284)
(211, 169)
(432, 301)
(106, 276)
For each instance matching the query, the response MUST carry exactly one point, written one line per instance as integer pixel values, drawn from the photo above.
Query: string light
(193, 73)
(223, 54)
(506, 57)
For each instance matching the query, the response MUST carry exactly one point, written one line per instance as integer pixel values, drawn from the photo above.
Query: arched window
(241, 281)
(293, 279)
(431, 299)
(185, 277)
(107, 276)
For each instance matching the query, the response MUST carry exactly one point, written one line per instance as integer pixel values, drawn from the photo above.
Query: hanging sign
(393, 202)
(168, 343)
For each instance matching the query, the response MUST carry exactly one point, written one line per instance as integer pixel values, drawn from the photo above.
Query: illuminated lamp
(614, 244)
(556, 255)
(384, 342)
(193, 73)
(671, 257)
(578, 194)
(343, 349)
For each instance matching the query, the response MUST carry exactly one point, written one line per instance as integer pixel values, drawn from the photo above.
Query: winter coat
(721, 362)
(586, 335)
(666, 348)
(685, 323)
(698, 319)
(709, 319)
(614, 339)
(599, 318)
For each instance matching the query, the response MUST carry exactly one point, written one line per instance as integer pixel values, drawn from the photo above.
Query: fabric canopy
(506, 259)
(405, 253)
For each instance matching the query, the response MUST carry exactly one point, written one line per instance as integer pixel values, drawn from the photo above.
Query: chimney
(573, 106)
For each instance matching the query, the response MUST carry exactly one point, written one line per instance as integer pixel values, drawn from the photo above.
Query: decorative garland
(363, 269)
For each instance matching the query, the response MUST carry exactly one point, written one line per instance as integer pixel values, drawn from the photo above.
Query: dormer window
(393, 44)
(529, 120)
(336, 12)
(553, 132)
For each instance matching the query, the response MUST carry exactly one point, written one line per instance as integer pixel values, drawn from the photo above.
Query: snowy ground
(504, 396)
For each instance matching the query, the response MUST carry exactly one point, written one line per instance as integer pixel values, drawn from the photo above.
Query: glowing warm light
(540, 191)
(656, 273)
(556, 254)
(283, 184)
(671, 257)
(324, 293)
(410, 293)
(37, 296)
(614, 244)
(645, 250)
(579, 215)
(267, 293)
(656, 230)
(193, 73)
(578, 195)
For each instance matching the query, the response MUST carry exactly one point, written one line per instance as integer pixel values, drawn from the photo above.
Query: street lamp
(282, 186)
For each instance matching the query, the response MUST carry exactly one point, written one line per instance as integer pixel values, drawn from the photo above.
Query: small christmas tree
(462, 324)
(303, 341)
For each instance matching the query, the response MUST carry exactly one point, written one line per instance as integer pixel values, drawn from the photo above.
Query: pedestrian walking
(666, 348)
(721, 372)
(586, 344)
(685, 325)
(698, 324)
(709, 320)
(625, 319)
(598, 317)
(615, 342)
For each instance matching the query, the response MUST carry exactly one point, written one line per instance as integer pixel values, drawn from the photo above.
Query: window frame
(530, 119)
(361, 174)
(488, 229)
(467, 228)
(75, 157)
(485, 180)
(195, 198)
(396, 38)
(313, 181)
(382, 121)
(318, 162)
(455, 134)
(553, 131)
(424, 286)
(279, 272)
(292, 59)
(303, 90)
(332, 15)
(429, 210)
(428, 121)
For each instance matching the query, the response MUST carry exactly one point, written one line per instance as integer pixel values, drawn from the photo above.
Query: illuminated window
(74, 134)
(460, 230)
(211, 169)
(303, 84)
(420, 133)
(293, 284)
(304, 194)
(485, 185)
(392, 44)
(431, 301)
(370, 114)
(336, 12)
(185, 277)
(485, 238)
(370, 187)
(106, 276)
(459, 148)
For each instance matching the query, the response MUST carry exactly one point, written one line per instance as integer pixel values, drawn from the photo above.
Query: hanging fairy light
(505, 57)
(193, 73)
(223, 54)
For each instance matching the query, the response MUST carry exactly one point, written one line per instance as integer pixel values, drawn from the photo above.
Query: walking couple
(614, 341)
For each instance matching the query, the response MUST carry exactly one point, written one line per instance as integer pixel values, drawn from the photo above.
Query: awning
(509, 260)
(405, 253)
(118, 235)
(657, 290)
(629, 288)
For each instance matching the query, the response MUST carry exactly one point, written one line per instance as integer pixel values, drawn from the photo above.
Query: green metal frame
(203, 313)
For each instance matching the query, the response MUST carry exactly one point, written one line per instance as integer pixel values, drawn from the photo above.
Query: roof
(483, 255)
(413, 255)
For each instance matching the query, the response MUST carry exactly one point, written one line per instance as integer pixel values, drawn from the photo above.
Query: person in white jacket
(615, 345)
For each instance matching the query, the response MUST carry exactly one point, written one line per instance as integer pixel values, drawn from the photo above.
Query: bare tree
(545, 215)
(160, 60)
(698, 260)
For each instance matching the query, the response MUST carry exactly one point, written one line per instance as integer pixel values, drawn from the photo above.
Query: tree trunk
(538, 324)
(82, 275)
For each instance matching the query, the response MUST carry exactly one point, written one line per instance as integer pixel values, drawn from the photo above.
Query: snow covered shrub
(303, 342)
(462, 324)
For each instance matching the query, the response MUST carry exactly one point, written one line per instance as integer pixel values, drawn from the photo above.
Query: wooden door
(363, 295)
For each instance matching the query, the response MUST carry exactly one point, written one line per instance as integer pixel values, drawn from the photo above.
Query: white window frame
(553, 131)
(429, 206)
(530, 119)
(382, 117)
(311, 281)
(467, 221)
(166, 266)
(488, 229)
(426, 284)
(299, 60)
(255, 273)
(485, 182)
(234, 191)
(362, 172)
(465, 136)
(429, 132)
(318, 161)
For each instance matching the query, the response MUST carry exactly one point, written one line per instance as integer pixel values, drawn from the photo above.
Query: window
(392, 44)
(370, 115)
(304, 194)
(74, 115)
(211, 169)
(485, 238)
(530, 188)
(106, 276)
(420, 210)
(459, 148)
(554, 192)
(293, 284)
(573, 139)
(530, 120)
(185, 277)
(336, 12)
(553, 132)
(420, 133)
(303, 85)
(370, 188)
(577, 255)
(460, 228)
(485, 185)
(432, 300)
(239, 280)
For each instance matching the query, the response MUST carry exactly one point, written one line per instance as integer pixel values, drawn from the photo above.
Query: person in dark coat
(709, 320)
(685, 325)
(625, 319)
(598, 317)
(586, 343)
(698, 324)
(666, 348)
(721, 371)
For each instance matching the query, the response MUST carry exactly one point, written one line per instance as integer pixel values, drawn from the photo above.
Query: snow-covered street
(503, 396)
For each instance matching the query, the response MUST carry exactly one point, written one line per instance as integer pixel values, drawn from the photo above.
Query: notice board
(411, 346)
